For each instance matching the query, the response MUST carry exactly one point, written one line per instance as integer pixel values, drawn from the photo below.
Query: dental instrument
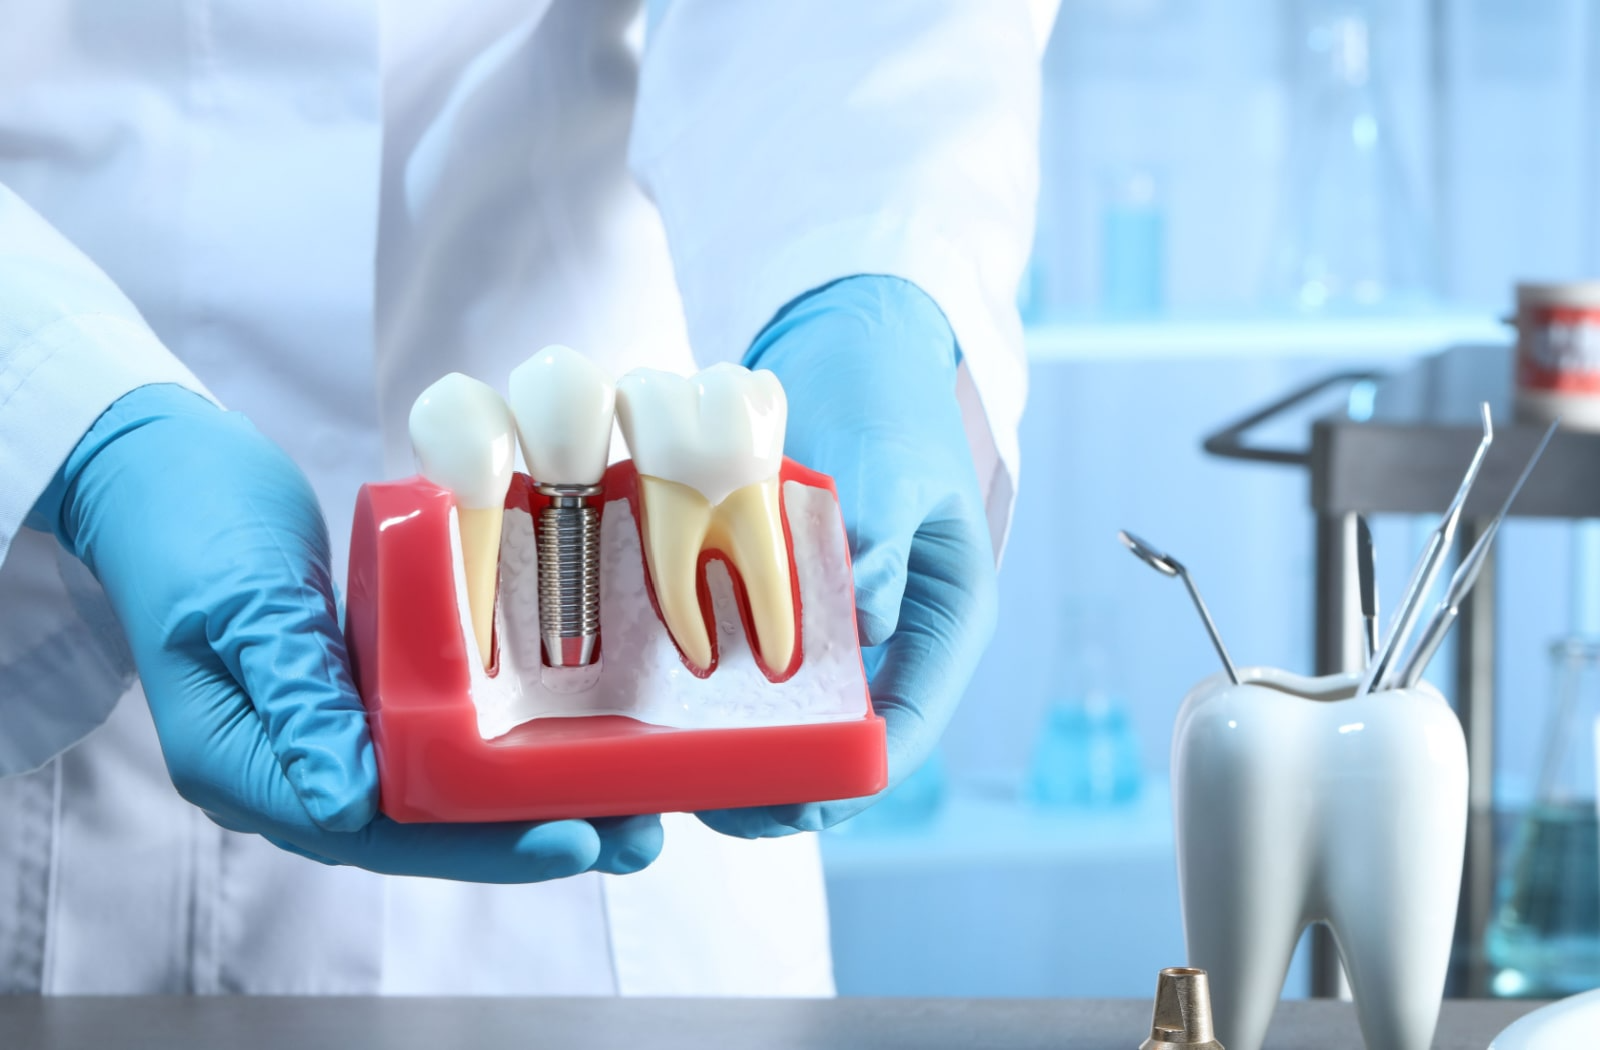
(1170, 566)
(1466, 575)
(1366, 573)
(1427, 567)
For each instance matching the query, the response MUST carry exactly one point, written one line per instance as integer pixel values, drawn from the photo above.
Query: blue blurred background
(1238, 197)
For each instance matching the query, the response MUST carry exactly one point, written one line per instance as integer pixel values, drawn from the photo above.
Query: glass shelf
(1277, 337)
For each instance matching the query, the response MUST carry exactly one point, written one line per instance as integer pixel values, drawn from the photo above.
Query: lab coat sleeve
(70, 345)
(790, 144)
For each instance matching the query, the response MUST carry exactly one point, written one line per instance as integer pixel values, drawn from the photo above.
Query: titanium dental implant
(565, 405)
(569, 574)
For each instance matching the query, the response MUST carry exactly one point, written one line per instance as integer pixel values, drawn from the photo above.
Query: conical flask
(1545, 938)
(1350, 236)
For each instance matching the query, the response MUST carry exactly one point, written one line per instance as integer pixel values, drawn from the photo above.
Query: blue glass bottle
(1087, 754)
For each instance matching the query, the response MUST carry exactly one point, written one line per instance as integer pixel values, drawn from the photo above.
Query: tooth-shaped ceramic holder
(1296, 803)
(637, 733)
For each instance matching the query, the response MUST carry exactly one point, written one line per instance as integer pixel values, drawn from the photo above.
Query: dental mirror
(1167, 565)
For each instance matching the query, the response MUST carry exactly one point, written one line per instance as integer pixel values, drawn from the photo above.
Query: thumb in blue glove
(869, 367)
(211, 547)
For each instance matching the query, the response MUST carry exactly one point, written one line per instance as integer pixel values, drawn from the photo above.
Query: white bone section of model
(708, 450)
(642, 676)
(1296, 801)
(565, 407)
(465, 441)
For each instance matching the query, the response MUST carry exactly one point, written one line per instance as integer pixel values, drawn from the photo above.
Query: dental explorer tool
(1466, 575)
(1366, 573)
(1427, 568)
(1167, 565)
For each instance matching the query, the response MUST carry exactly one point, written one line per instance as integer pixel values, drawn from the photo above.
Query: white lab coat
(318, 208)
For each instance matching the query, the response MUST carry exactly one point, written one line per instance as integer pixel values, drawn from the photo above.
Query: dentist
(236, 240)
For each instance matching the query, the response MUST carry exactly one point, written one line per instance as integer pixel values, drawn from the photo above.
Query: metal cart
(1406, 457)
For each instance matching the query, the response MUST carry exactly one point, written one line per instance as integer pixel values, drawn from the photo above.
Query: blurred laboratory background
(1241, 197)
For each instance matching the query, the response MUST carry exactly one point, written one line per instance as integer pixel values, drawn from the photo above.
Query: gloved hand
(869, 366)
(210, 544)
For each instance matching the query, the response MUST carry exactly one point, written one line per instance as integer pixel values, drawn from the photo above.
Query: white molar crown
(564, 407)
(465, 440)
(715, 432)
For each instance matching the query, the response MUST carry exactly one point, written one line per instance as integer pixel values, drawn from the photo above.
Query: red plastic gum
(417, 672)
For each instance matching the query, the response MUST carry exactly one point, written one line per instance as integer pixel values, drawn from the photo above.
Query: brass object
(1182, 1017)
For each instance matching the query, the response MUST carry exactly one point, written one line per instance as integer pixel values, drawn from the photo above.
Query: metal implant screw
(569, 575)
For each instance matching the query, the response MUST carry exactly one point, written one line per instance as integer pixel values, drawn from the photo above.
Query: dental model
(564, 405)
(708, 450)
(724, 667)
(465, 442)
(1300, 800)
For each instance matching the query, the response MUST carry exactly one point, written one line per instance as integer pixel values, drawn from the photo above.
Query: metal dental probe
(1167, 565)
(1466, 575)
(1366, 573)
(1426, 571)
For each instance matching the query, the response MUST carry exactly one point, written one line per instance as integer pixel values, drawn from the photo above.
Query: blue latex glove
(869, 366)
(211, 546)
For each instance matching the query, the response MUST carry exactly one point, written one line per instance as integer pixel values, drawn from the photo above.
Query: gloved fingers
(628, 844)
(220, 760)
(879, 569)
(492, 853)
(289, 847)
(217, 751)
(291, 663)
(946, 620)
(758, 822)
(881, 516)
(209, 542)
(276, 629)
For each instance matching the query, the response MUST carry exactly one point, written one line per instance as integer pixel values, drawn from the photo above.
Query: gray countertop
(641, 1024)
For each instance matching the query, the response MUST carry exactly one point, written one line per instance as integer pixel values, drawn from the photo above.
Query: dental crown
(715, 432)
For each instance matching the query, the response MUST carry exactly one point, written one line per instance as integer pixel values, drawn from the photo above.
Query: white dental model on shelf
(1297, 801)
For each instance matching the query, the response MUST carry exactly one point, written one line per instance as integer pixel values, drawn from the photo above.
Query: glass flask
(1086, 754)
(1545, 937)
(1133, 237)
(1350, 237)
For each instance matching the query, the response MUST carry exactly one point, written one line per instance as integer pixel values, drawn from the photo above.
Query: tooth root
(748, 526)
(1244, 887)
(676, 518)
(480, 562)
(1394, 926)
